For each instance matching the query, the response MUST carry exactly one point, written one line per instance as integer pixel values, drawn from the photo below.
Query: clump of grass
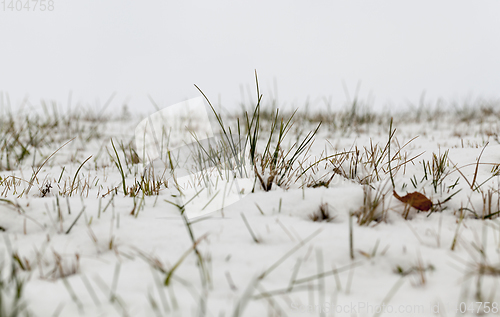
(26, 135)
(436, 170)
(149, 184)
(373, 208)
(322, 214)
(274, 165)
(63, 267)
(350, 158)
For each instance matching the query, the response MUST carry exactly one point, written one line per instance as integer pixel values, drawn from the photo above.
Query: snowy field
(264, 214)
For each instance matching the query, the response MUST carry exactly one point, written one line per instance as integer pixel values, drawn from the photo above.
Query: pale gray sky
(396, 49)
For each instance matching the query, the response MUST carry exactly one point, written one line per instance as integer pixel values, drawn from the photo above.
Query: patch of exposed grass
(322, 214)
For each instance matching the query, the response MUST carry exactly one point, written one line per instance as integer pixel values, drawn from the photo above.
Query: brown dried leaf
(416, 200)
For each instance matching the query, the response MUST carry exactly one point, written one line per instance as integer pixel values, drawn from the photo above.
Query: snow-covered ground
(328, 237)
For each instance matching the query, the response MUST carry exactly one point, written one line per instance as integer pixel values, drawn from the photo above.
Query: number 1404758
(27, 5)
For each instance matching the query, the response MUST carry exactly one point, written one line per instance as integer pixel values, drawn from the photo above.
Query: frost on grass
(269, 212)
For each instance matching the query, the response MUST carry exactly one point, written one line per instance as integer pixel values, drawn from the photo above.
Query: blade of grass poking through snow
(253, 131)
(295, 273)
(120, 168)
(455, 238)
(252, 137)
(391, 134)
(389, 295)
(204, 275)
(4, 200)
(76, 174)
(274, 157)
(249, 228)
(245, 297)
(321, 281)
(60, 176)
(41, 165)
(459, 171)
(114, 285)
(76, 219)
(72, 294)
(351, 246)
(294, 282)
(117, 299)
(258, 207)
(477, 167)
(182, 208)
(161, 291)
(182, 258)
(90, 290)
(211, 199)
(439, 203)
(272, 302)
(289, 253)
(488, 179)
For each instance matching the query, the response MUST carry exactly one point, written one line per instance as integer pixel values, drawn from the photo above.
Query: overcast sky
(395, 49)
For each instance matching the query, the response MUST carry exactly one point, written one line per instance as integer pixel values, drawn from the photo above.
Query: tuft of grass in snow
(373, 208)
(322, 214)
(274, 165)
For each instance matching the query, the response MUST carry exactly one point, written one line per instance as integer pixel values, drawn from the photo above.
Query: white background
(395, 49)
